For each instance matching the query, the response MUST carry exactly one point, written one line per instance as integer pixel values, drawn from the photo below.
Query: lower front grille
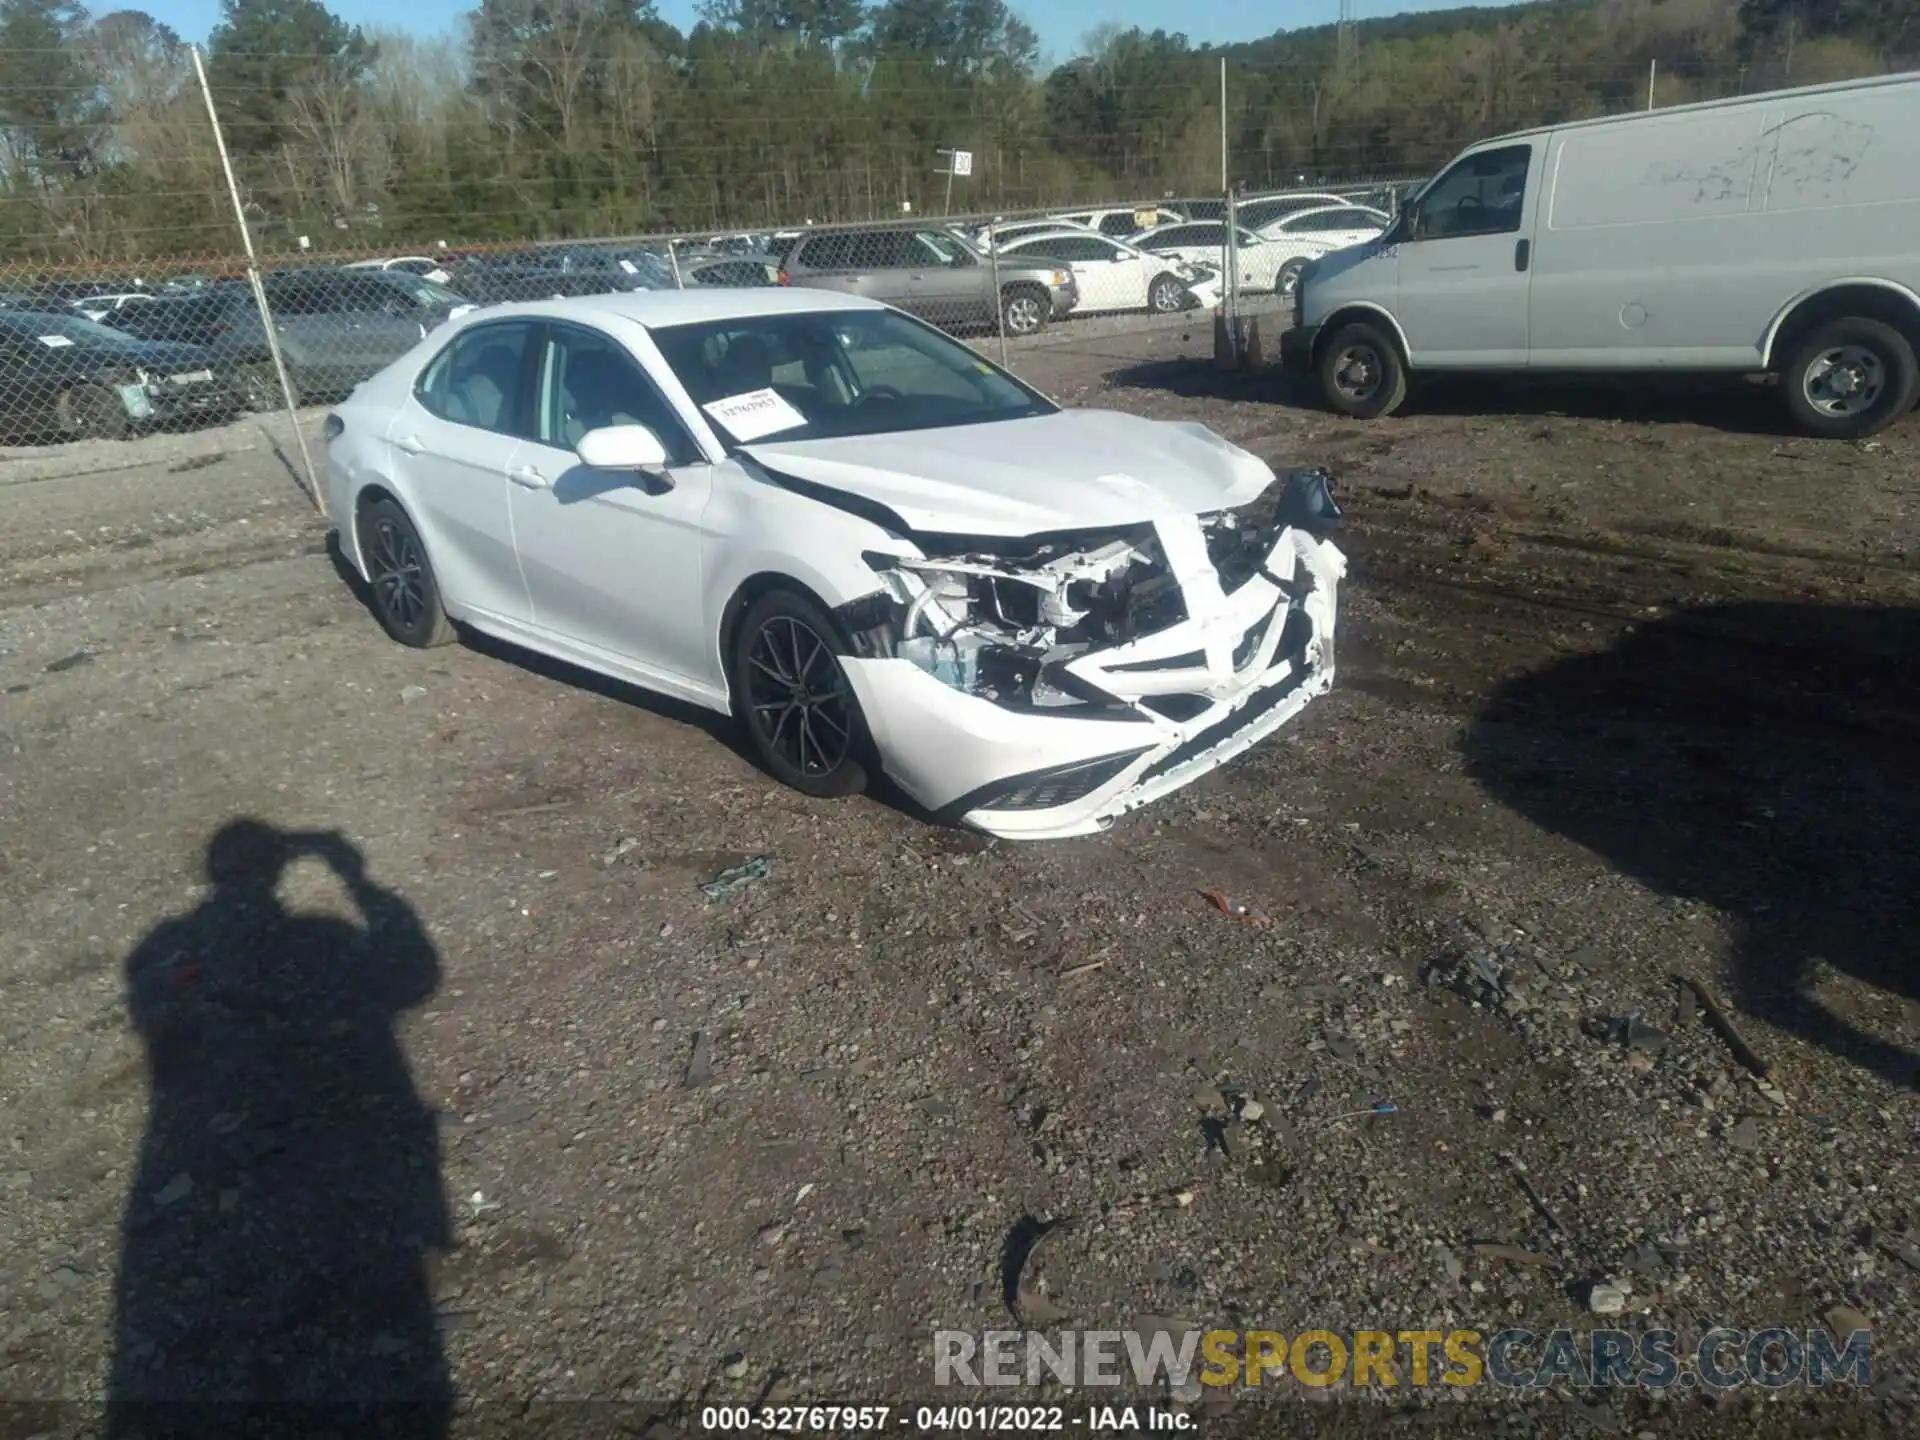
(1049, 788)
(1227, 726)
(1179, 708)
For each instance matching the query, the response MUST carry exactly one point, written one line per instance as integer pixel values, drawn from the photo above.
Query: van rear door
(1464, 262)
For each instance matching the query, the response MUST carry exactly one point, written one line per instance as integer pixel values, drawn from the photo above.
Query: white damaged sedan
(855, 534)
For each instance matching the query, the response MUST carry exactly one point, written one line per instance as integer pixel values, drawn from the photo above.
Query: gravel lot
(455, 1086)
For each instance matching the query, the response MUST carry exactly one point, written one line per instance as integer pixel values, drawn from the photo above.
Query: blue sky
(1061, 23)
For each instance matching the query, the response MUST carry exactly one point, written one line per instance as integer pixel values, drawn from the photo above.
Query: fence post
(999, 305)
(315, 491)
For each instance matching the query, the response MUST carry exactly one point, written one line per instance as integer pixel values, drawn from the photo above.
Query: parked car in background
(746, 243)
(336, 327)
(1390, 198)
(425, 266)
(1262, 262)
(1120, 221)
(1774, 234)
(1313, 233)
(64, 376)
(552, 272)
(870, 545)
(932, 273)
(1114, 275)
(731, 270)
(992, 237)
(1259, 211)
(99, 307)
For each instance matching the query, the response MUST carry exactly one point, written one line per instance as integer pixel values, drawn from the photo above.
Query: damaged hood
(1075, 470)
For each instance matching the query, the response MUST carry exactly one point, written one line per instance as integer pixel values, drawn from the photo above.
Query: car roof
(655, 309)
(1294, 215)
(1064, 232)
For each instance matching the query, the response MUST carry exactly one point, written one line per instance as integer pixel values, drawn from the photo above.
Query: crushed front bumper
(1205, 690)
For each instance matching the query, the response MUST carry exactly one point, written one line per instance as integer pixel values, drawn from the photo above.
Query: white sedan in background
(1334, 226)
(1119, 222)
(1267, 260)
(1113, 275)
(425, 266)
(1260, 211)
(857, 535)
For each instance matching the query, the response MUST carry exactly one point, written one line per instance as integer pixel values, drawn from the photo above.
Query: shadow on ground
(1757, 758)
(722, 729)
(287, 1193)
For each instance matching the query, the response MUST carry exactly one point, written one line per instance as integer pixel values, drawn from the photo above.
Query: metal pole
(673, 259)
(314, 491)
(1653, 68)
(1233, 272)
(947, 207)
(1223, 124)
(999, 305)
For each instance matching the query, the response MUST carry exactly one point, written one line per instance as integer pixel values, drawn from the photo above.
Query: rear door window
(479, 379)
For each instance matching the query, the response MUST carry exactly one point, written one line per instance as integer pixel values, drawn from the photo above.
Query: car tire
(1361, 373)
(1025, 310)
(1288, 280)
(1166, 295)
(258, 386)
(403, 594)
(792, 697)
(1850, 378)
(93, 412)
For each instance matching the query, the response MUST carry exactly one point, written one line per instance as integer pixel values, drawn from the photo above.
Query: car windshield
(830, 373)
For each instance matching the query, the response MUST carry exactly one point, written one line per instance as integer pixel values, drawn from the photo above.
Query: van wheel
(1361, 374)
(1850, 378)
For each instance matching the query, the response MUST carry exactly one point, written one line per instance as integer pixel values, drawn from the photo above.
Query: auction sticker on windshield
(754, 414)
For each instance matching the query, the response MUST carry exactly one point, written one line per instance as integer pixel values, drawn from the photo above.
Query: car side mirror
(627, 447)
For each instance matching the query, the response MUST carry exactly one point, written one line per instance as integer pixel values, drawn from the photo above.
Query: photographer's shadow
(288, 1188)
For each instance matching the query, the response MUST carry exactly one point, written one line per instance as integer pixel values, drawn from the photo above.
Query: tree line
(572, 118)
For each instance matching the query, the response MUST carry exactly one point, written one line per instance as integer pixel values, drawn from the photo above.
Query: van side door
(1464, 262)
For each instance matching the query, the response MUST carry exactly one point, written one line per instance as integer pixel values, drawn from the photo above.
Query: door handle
(1522, 253)
(527, 477)
(412, 444)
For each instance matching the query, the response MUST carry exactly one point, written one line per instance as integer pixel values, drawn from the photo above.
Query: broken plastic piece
(1384, 1107)
(737, 877)
(1238, 909)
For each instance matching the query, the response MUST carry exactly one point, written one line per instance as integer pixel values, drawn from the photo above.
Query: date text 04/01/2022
(940, 1419)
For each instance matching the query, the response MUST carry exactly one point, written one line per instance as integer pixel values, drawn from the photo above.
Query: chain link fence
(119, 352)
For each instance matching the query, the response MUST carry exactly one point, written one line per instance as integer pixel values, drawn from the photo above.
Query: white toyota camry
(861, 538)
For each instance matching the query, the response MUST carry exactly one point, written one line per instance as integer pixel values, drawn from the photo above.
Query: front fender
(755, 528)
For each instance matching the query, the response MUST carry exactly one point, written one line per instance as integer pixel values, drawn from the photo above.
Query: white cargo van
(1774, 234)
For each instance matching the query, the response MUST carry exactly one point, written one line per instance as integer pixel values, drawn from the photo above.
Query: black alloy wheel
(404, 596)
(794, 697)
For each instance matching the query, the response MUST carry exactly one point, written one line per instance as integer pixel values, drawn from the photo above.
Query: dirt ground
(453, 1085)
